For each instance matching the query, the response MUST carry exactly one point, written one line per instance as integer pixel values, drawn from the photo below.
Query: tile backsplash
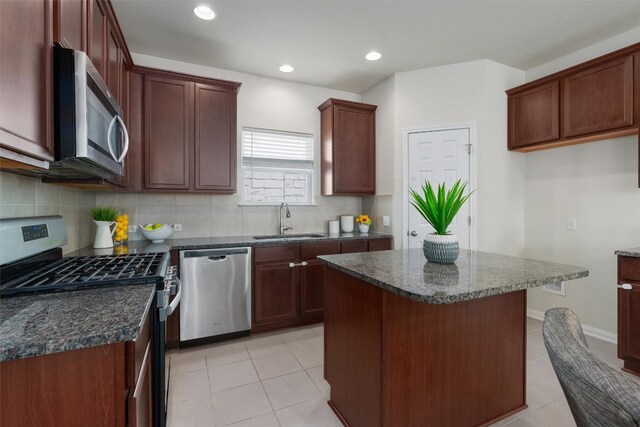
(203, 215)
(24, 196)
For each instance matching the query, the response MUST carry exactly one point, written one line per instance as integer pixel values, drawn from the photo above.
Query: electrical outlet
(572, 224)
(177, 227)
(558, 288)
(386, 221)
(133, 229)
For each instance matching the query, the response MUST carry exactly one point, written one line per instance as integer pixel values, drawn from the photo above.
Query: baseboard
(588, 330)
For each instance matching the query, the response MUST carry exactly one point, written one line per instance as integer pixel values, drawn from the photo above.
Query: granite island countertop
(474, 275)
(36, 325)
(141, 246)
(632, 252)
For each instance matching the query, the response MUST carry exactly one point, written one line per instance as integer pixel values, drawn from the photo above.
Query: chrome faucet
(283, 227)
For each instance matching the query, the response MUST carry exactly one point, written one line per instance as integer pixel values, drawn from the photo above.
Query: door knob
(414, 233)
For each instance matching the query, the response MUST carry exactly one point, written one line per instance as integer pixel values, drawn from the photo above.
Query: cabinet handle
(302, 264)
(625, 286)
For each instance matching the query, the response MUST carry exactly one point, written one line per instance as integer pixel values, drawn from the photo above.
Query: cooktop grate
(90, 272)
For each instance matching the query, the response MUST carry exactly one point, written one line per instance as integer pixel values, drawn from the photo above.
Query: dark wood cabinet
(26, 79)
(189, 133)
(215, 138)
(348, 145)
(107, 385)
(588, 102)
(113, 63)
(629, 313)
(70, 23)
(97, 29)
(289, 281)
(380, 244)
(275, 287)
(534, 115)
(599, 99)
(167, 133)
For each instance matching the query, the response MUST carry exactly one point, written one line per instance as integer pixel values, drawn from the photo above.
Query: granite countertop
(633, 252)
(36, 325)
(141, 246)
(474, 275)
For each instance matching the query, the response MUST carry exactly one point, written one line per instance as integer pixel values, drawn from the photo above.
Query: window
(277, 166)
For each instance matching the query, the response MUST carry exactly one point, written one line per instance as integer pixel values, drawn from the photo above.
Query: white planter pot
(439, 248)
(364, 228)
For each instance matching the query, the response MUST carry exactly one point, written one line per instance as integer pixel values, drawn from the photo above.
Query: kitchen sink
(288, 236)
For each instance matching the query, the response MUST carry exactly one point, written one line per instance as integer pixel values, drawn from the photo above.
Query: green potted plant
(104, 217)
(439, 209)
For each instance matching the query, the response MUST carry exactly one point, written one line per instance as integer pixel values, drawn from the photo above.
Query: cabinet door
(275, 293)
(26, 77)
(69, 24)
(312, 290)
(113, 63)
(167, 133)
(352, 246)
(599, 99)
(534, 116)
(215, 139)
(97, 21)
(629, 312)
(354, 149)
(140, 404)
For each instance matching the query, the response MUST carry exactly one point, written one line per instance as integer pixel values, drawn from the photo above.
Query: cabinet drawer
(628, 269)
(276, 253)
(352, 246)
(312, 250)
(380, 245)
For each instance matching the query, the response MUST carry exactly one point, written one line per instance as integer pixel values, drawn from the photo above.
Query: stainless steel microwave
(90, 136)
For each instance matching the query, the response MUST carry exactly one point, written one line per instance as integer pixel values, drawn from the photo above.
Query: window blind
(259, 145)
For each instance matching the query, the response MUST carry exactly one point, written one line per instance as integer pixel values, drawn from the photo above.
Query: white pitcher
(104, 235)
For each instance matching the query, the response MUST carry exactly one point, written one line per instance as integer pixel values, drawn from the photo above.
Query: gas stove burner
(90, 272)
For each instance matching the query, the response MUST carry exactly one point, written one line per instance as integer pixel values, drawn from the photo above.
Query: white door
(438, 156)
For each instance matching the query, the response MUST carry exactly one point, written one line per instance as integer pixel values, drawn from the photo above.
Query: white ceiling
(326, 40)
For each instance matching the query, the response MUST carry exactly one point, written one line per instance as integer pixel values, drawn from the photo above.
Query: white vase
(440, 248)
(103, 235)
(364, 228)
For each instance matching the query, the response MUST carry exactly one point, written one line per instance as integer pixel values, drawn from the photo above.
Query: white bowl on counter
(159, 234)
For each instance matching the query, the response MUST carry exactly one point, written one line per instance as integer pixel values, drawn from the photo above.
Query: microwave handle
(126, 138)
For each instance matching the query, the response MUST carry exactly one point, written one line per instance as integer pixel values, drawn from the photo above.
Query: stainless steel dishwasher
(216, 297)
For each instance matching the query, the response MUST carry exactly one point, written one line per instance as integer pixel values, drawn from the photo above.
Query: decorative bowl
(159, 234)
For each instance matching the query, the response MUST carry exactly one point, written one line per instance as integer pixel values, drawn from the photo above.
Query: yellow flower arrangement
(364, 219)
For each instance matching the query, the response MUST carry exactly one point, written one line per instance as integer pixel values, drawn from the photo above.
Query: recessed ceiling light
(204, 12)
(373, 55)
(286, 68)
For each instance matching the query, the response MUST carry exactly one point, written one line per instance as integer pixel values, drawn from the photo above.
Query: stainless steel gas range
(31, 262)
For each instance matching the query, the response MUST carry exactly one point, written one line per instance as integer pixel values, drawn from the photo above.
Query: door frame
(473, 140)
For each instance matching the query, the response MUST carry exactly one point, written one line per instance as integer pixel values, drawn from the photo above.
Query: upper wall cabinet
(26, 82)
(348, 145)
(588, 102)
(189, 133)
(70, 23)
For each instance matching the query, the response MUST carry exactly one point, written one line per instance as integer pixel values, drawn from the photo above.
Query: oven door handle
(169, 309)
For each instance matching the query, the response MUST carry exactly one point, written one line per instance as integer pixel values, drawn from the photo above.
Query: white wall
(262, 103)
(596, 183)
(452, 94)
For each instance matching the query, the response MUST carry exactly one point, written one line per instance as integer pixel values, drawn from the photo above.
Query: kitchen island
(412, 343)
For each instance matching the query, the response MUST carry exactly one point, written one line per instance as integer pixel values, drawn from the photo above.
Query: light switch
(386, 221)
(572, 224)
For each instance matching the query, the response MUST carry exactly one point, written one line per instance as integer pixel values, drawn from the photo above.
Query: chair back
(597, 394)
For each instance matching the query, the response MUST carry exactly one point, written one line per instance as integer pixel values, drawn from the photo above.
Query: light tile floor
(277, 380)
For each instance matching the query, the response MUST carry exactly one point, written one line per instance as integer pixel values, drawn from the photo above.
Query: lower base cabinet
(107, 385)
(629, 313)
(288, 281)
